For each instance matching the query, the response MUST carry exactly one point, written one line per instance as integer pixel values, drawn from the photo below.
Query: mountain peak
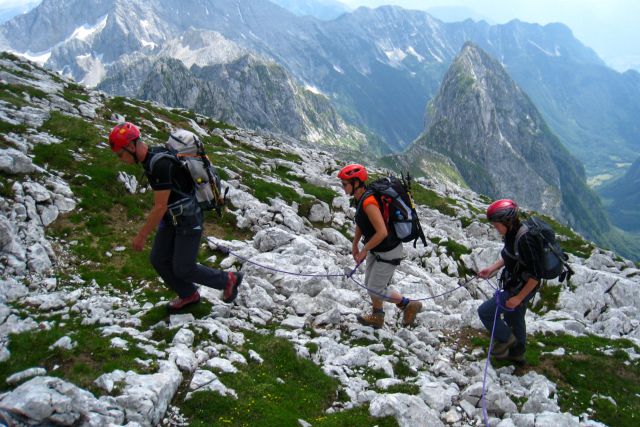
(502, 146)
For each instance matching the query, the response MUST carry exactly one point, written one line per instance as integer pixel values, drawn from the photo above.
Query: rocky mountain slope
(501, 145)
(245, 91)
(622, 199)
(85, 338)
(379, 67)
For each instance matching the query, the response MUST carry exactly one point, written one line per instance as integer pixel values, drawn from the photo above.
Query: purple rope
(486, 365)
(226, 250)
(384, 297)
(349, 275)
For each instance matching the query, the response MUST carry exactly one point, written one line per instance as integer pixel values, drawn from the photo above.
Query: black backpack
(554, 263)
(397, 207)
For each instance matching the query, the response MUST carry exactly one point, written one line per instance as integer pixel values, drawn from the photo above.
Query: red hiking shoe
(231, 289)
(180, 303)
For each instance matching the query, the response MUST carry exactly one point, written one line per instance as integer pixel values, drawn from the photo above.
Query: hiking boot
(516, 355)
(501, 349)
(180, 303)
(410, 311)
(231, 289)
(375, 320)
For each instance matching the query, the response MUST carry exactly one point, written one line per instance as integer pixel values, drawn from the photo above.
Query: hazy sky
(610, 27)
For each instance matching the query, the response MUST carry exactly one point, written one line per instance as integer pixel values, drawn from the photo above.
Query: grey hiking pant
(174, 253)
(378, 273)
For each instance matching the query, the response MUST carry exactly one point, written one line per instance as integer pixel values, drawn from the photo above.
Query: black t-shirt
(530, 252)
(167, 174)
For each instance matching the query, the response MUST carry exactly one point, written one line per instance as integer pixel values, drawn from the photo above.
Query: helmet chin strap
(134, 152)
(354, 188)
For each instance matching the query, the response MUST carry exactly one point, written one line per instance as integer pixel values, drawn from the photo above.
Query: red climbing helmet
(502, 210)
(350, 172)
(122, 135)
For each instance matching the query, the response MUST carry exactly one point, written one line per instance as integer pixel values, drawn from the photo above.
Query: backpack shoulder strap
(521, 232)
(168, 155)
(161, 155)
(516, 252)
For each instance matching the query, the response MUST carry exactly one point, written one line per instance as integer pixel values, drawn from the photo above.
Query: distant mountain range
(321, 9)
(379, 68)
(362, 82)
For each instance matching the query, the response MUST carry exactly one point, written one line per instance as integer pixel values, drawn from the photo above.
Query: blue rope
(499, 306)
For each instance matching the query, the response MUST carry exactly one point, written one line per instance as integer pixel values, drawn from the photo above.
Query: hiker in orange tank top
(381, 250)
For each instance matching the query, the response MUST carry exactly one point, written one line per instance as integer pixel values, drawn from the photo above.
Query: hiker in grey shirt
(177, 219)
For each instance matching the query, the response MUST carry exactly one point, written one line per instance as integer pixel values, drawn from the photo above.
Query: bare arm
(160, 200)
(356, 240)
(485, 273)
(516, 300)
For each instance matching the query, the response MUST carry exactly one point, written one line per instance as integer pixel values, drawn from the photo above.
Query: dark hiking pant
(507, 322)
(174, 253)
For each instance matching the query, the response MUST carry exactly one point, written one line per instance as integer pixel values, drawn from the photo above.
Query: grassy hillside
(95, 260)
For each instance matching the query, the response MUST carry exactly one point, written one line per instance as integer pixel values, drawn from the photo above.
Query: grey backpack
(186, 148)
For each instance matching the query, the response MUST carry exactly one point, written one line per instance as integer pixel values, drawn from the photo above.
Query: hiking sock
(378, 311)
(403, 303)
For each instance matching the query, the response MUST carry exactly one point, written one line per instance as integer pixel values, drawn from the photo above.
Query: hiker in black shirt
(178, 219)
(519, 279)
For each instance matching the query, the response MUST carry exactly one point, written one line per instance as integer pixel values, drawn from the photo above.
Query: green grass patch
(548, 299)
(272, 153)
(404, 388)
(81, 365)
(465, 221)
(401, 369)
(264, 190)
(8, 128)
(431, 199)
(11, 95)
(584, 371)
(262, 399)
(6, 187)
(157, 314)
(214, 124)
(353, 417)
(18, 90)
(74, 93)
(321, 193)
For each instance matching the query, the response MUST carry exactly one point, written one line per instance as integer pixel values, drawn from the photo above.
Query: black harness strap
(395, 261)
